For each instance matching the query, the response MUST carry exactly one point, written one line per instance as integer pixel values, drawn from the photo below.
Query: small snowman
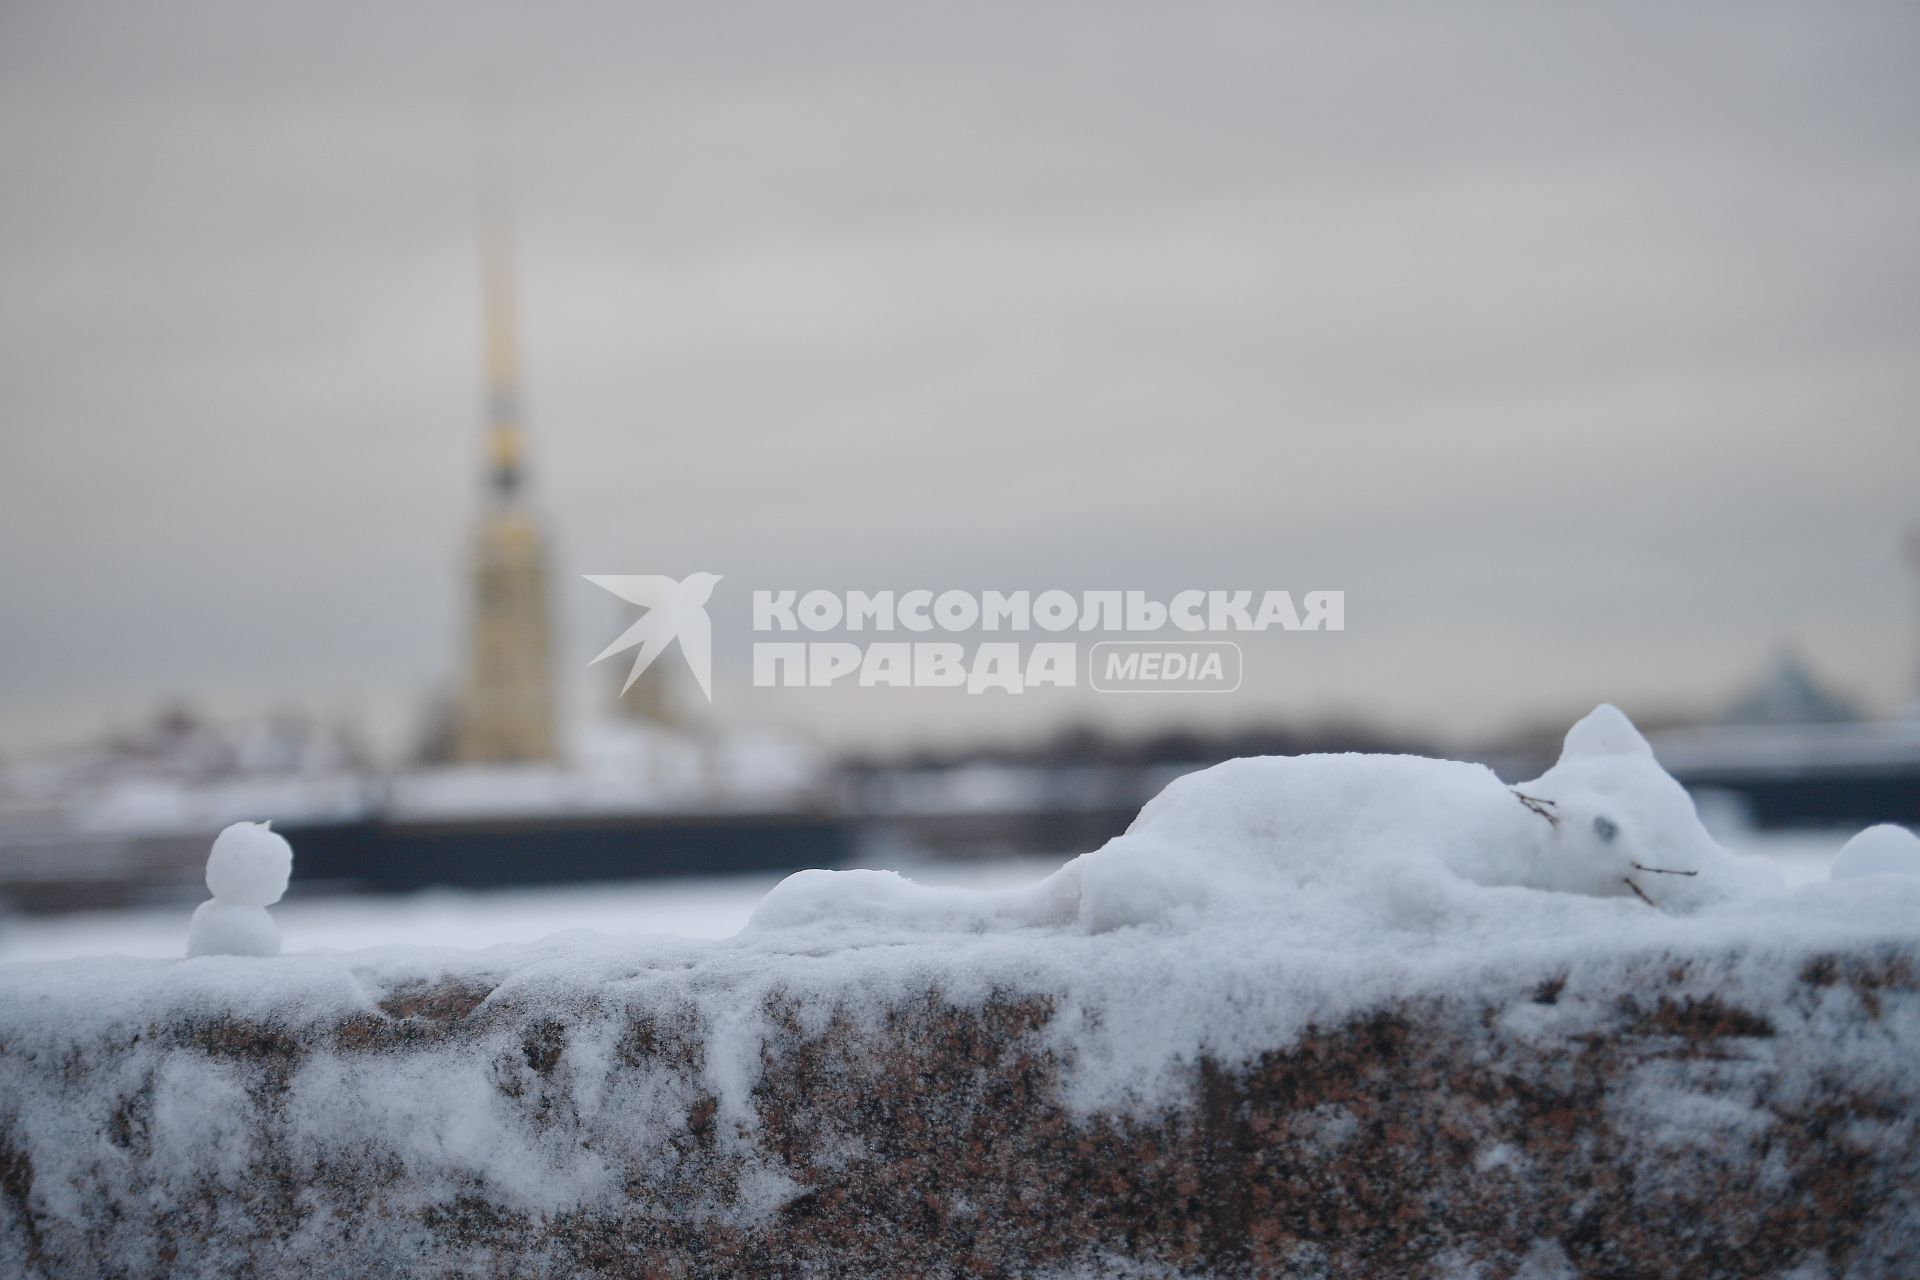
(246, 873)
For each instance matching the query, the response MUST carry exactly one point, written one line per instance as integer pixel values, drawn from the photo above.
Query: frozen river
(701, 908)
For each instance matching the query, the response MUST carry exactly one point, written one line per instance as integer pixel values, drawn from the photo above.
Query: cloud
(1575, 346)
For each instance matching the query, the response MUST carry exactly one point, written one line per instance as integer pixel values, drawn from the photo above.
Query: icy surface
(690, 907)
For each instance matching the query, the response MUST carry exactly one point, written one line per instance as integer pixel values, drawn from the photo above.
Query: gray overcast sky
(1579, 348)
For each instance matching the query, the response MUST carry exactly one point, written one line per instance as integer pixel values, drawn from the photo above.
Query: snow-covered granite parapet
(590, 1108)
(1281, 1028)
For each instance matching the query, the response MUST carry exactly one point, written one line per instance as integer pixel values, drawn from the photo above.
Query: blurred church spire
(501, 339)
(505, 711)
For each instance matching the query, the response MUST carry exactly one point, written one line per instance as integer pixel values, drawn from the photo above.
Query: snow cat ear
(1605, 731)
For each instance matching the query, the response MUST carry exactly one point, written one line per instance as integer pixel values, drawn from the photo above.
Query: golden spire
(503, 426)
(506, 709)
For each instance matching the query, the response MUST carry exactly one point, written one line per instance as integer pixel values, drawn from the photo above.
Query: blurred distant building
(505, 709)
(1790, 693)
(1790, 752)
(651, 699)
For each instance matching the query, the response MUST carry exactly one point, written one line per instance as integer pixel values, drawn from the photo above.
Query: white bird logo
(674, 610)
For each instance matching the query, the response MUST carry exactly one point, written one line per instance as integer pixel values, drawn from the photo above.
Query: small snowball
(808, 897)
(1879, 851)
(230, 929)
(249, 865)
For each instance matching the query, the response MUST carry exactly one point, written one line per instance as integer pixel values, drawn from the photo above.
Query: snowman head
(1621, 824)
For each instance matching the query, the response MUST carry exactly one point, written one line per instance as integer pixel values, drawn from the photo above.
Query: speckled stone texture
(1669, 1131)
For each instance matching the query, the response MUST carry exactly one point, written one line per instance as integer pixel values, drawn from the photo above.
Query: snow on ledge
(1245, 903)
(1251, 913)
